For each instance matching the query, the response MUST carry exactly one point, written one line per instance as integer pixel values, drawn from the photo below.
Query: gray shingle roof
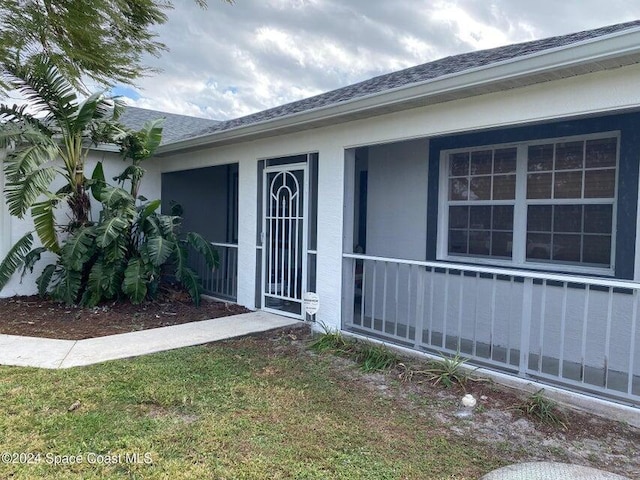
(420, 73)
(175, 126)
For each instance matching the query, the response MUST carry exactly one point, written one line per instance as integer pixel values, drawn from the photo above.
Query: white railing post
(419, 307)
(525, 325)
(348, 290)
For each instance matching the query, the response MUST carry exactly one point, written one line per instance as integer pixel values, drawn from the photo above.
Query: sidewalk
(51, 353)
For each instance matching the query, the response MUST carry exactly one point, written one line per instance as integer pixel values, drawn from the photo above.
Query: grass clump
(370, 357)
(542, 409)
(446, 371)
(375, 358)
(330, 341)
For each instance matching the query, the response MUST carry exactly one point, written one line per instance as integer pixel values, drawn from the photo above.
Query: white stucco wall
(589, 94)
(585, 95)
(12, 229)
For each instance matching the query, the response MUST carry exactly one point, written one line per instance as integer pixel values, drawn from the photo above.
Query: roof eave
(508, 74)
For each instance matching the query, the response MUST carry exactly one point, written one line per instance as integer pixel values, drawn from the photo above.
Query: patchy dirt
(587, 439)
(36, 317)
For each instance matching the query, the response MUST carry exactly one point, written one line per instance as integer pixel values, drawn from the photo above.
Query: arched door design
(285, 239)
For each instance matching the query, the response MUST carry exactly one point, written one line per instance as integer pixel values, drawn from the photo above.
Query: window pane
(459, 217)
(601, 153)
(481, 162)
(505, 160)
(539, 246)
(458, 188)
(503, 217)
(598, 218)
(599, 183)
(566, 248)
(569, 155)
(480, 188)
(567, 218)
(539, 218)
(480, 217)
(539, 185)
(597, 249)
(501, 244)
(479, 242)
(504, 187)
(459, 164)
(540, 158)
(568, 185)
(564, 224)
(458, 241)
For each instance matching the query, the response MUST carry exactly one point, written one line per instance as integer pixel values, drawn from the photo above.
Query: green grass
(540, 408)
(369, 356)
(247, 409)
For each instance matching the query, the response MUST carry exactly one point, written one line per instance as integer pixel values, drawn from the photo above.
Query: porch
(573, 331)
(207, 200)
(438, 253)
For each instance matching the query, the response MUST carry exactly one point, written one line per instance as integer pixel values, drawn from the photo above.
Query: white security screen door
(284, 236)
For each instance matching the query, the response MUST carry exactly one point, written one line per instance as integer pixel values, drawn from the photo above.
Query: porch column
(330, 226)
(247, 221)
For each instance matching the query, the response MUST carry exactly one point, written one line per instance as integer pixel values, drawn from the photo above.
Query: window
(550, 202)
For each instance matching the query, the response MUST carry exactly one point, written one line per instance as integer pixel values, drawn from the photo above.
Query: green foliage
(79, 39)
(43, 214)
(15, 258)
(540, 408)
(370, 357)
(447, 371)
(134, 285)
(331, 341)
(131, 246)
(59, 130)
(104, 40)
(126, 253)
(375, 358)
(44, 280)
(141, 145)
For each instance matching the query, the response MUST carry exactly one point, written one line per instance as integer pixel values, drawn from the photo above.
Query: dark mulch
(37, 317)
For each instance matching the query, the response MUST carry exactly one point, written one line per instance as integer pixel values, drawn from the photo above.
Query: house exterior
(484, 203)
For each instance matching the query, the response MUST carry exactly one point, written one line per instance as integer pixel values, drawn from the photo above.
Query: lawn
(245, 409)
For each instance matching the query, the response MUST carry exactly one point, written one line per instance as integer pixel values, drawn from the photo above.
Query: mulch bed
(36, 317)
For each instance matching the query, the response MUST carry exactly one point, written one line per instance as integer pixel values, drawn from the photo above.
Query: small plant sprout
(447, 371)
(542, 409)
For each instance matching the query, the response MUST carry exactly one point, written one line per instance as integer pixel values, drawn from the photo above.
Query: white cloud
(229, 61)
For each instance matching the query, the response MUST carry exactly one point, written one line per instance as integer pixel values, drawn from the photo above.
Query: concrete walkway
(550, 471)
(51, 353)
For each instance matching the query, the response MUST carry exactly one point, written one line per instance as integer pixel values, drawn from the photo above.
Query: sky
(232, 60)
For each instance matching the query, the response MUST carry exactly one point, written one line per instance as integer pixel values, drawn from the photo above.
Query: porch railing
(579, 332)
(221, 282)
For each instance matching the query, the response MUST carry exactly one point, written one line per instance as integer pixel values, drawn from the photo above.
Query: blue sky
(232, 60)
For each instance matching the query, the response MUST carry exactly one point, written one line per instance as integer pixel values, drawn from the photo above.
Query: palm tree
(48, 140)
